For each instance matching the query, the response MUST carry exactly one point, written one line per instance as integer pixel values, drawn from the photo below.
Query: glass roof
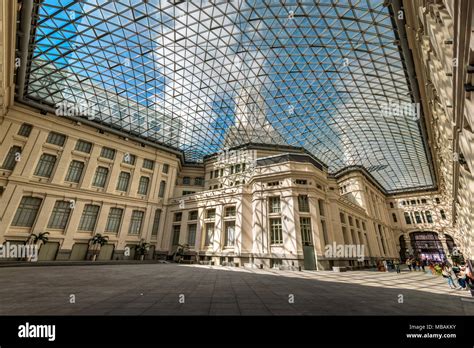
(200, 76)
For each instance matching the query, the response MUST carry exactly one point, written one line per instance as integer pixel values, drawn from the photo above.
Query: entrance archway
(426, 245)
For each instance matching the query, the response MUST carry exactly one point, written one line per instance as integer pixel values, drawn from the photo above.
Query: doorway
(427, 246)
(105, 253)
(79, 252)
(48, 251)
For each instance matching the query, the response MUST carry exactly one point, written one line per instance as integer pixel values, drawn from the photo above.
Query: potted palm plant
(141, 249)
(37, 239)
(95, 243)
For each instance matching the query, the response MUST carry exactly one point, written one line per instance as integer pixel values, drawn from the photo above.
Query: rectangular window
(25, 215)
(148, 164)
(185, 193)
(192, 234)
(351, 222)
(303, 203)
(100, 177)
(143, 185)
(211, 174)
(165, 168)
(276, 232)
(230, 211)
(216, 173)
(177, 217)
(129, 158)
(394, 217)
(237, 168)
(209, 234)
(45, 165)
(83, 146)
(156, 222)
(229, 228)
(186, 180)
(74, 174)
(210, 213)
(60, 215)
(123, 180)
(13, 156)
(345, 237)
(161, 192)
(193, 215)
(136, 222)
(342, 217)
(321, 207)
(108, 153)
(273, 183)
(56, 139)
(443, 214)
(305, 226)
(407, 218)
(198, 181)
(417, 217)
(301, 182)
(274, 204)
(114, 220)
(176, 232)
(89, 217)
(325, 232)
(25, 130)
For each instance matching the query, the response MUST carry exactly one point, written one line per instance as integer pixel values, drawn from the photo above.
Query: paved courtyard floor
(171, 289)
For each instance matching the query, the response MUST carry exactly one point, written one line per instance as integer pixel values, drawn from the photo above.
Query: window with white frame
(74, 173)
(114, 219)
(60, 215)
(89, 217)
(274, 204)
(136, 222)
(276, 231)
(27, 211)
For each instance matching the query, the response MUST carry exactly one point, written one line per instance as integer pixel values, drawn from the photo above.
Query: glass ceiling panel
(201, 76)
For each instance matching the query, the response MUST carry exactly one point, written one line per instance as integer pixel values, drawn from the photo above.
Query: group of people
(459, 276)
(415, 264)
(461, 273)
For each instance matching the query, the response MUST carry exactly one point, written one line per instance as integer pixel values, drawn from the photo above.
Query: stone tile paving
(156, 289)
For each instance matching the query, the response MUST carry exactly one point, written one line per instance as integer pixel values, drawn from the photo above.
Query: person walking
(397, 265)
(413, 264)
(423, 264)
(431, 267)
(447, 274)
(408, 263)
